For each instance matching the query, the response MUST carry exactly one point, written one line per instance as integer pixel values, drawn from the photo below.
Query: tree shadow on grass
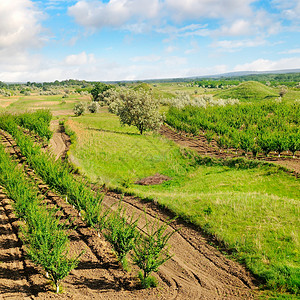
(113, 131)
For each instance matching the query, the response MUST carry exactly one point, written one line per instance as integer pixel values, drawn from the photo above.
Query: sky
(111, 40)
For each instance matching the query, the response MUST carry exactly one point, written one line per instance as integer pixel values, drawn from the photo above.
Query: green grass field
(55, 103)
(253, 211)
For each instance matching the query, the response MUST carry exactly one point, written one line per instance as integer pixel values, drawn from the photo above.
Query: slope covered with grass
(249, 91)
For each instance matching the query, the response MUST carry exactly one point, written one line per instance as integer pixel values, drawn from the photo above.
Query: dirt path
(201, 146)
(60, 142)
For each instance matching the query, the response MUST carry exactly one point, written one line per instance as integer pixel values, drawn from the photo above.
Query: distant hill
(248, 91)
(245, 73)
(158, 94)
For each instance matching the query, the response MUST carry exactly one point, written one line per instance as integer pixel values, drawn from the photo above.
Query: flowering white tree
(136, 108)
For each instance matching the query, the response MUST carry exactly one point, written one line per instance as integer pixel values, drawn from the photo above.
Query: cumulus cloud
(115, 13)
(20, 31)
(237, 28)
(195, 9)
(269, 65)
(289, 9)
(19, 24)
(79, 59)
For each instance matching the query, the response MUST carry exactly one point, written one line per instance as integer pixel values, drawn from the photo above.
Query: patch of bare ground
(200, 144)
(60, 142)
(153, 180)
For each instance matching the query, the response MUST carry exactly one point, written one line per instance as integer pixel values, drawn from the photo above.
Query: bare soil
(60, 142)
(201, 146)
(196, 270)
(153, 180)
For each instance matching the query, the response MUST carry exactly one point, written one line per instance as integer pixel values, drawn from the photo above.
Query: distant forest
(287, 79)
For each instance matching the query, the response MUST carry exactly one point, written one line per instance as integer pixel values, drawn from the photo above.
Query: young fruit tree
(136, 108)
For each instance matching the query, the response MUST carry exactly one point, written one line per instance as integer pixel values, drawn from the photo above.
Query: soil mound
(153, 180)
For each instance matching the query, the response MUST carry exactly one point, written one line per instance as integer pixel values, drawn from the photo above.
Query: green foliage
(122, 232)
(79, 109)
(148, 282)
(98, 90)
(44, 236)
(137, 109)
(264, 127)
(37, 122)
(151, 251)
(57, 175)
(46, 244)
(248, 91)
(93, 107)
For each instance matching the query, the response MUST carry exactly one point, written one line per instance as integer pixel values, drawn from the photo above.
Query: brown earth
(196, 270)
(201, 146)
(60, 142)
(153, 180)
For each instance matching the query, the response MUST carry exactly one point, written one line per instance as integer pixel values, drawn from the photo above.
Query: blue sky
(47, 40)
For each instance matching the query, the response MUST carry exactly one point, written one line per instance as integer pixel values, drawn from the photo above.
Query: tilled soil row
(98, 273)
(196, 270)
(16, 272)
(201, 146)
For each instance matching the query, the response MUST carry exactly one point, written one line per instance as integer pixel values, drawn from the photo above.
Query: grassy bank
(253, 211)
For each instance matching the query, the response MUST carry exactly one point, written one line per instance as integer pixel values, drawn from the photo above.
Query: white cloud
(20, 31)
(79, 59)
(115, 13)
(235, 45)
(195, 9)
(19, 25)
(185, 31)
(237, 28)
(269, 65)
(170, 49)
(194, 48)
(289, 9)
(291, 51)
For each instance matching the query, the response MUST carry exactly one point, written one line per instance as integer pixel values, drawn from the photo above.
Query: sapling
(122, 232)
(151, 251)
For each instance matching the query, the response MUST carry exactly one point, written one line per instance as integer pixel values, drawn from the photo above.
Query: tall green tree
(98, 90)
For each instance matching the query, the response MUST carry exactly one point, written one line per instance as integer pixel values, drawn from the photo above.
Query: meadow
(251, 209)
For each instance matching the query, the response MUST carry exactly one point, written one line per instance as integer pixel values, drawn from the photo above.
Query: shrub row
(38, 122)
(120, 231)
(255, 128)
(45, 238)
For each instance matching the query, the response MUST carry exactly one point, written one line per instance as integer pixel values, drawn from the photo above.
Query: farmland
(233, 196)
